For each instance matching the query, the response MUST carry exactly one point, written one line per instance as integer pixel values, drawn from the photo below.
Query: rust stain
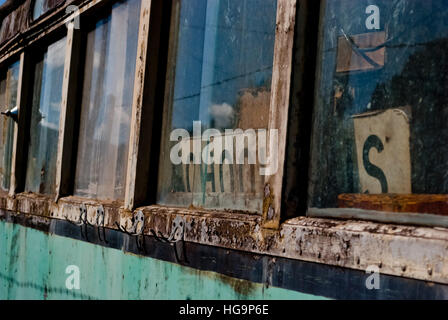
(268, 202)
(241, 287)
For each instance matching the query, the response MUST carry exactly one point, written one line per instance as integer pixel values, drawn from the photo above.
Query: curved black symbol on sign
(374, 142)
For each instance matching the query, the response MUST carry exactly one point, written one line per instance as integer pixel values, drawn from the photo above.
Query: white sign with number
(383, 151)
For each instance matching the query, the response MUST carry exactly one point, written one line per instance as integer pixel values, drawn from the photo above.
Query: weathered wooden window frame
(278, 115)
(21, 96)
(406, 218)
(69, 109)
(349, 244)
(143, 109)
(142, 117)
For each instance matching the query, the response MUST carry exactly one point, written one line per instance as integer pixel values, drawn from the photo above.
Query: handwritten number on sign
(374, 142)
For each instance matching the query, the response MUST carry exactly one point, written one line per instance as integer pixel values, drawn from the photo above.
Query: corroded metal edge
(404, 251)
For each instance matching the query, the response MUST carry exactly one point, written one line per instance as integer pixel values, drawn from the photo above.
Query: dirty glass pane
(380, 123)
(220, 71)
(9, 79)
(106, 103)
(44, 129)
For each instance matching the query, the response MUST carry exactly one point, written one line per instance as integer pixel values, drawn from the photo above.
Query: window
(9, 78)
(110, 57)
(220, 79)
(38, 8)
(380, 122)
(44, 128)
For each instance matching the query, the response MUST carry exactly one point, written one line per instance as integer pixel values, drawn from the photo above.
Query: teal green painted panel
(33, 266)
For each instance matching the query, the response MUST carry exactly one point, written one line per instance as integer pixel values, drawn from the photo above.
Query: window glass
(380, 123)
(220, 78)
(44, 129)
(38, 9)
(9, 79)
(111, 53)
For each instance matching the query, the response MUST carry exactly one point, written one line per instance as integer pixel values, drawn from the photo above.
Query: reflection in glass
(221, 76)
(38, 9)
(106, 103)
(44, 129)
(380, 125)
(9, 79)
